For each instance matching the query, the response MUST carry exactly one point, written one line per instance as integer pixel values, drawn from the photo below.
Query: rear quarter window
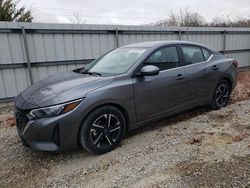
(206, 54)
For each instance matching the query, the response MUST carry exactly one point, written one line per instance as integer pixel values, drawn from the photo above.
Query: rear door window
(192, 54)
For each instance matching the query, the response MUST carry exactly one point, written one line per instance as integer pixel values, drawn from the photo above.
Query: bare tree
(228, 21)
(223, 21)
(77, 18)
(183, 18)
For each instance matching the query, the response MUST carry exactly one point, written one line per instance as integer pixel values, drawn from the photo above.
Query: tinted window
(165, 58)
(192, 54)
(206, 54)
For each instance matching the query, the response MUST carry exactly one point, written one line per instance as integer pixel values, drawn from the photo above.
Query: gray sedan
(93, 107)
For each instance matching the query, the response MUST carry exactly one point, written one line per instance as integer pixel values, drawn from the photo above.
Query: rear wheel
(102, 130)
(221, 95)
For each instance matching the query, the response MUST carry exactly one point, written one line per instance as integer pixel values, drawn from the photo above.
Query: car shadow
(184, 116)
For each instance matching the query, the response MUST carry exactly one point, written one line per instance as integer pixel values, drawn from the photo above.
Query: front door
(163, 93)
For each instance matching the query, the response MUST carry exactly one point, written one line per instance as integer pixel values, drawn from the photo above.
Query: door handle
(180, 77)
(215, 68)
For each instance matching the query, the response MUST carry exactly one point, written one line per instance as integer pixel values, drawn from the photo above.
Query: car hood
(59, 88)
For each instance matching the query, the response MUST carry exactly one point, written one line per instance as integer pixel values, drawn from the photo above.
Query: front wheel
(102, 130)
(221, 95)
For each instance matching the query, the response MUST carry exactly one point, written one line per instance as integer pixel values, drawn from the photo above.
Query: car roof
(155, 44)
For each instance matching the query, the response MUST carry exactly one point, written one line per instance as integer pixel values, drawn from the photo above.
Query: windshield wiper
(90, 73)
(94, 73)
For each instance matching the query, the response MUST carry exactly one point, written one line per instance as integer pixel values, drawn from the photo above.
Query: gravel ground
(195, 149)
(200, 148)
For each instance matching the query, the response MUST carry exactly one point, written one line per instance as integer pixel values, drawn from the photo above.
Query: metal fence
(30, 52)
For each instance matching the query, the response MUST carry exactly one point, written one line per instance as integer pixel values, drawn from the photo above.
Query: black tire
(102, 130)
(221, 95)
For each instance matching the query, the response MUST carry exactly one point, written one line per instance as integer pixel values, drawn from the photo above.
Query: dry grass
(10, 122)
(240, 137)
(195, 140)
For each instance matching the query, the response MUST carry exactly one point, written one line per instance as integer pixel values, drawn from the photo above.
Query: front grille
(21, 119)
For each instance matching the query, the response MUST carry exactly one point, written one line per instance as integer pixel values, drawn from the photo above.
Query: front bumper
(52, 134)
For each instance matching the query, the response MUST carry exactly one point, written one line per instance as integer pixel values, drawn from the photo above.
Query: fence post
(224, 41)
(179, 34)
(26, 50)
(116, 37)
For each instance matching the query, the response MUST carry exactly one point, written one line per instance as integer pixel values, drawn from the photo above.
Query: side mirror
(149, 70)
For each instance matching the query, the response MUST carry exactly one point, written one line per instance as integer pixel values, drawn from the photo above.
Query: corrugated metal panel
(243, 58)
(15, 45)
(214, 41)
(49, 47)
(2, 85)
(12, 81)
(87, 47)
(9, 82)
(78, 46)
(65, 45)
(5, 49)
(238, 41)
(21, 79)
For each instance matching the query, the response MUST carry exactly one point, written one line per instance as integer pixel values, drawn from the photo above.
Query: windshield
(115, 62)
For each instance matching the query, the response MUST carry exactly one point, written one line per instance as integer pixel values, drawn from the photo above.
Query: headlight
(53, 110)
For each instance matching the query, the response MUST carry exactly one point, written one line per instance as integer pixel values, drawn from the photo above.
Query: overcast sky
(131, 12)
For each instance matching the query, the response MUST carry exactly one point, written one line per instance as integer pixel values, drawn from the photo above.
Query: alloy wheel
(105, 131)
(222, 95)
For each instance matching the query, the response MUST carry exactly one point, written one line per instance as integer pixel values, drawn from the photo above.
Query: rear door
(200, 74)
